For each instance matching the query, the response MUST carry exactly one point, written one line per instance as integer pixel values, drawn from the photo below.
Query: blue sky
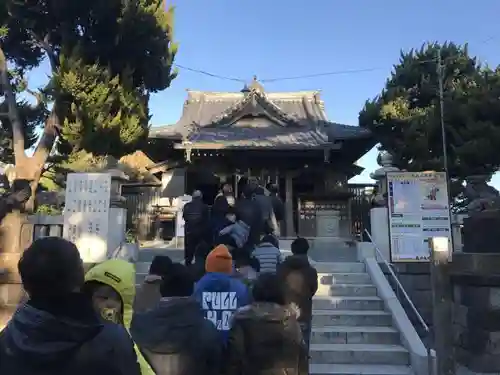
(281, 38)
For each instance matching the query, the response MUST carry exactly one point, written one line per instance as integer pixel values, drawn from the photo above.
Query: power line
(315, 75)
(213, 75)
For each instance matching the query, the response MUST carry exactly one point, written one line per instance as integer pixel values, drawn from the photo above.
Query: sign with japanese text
(418, 210)
(86, 214)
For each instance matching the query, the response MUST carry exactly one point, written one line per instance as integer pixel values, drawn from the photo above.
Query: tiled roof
(254, 138)
(207, 118)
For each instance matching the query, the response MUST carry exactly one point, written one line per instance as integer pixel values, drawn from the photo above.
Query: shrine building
(280, 137)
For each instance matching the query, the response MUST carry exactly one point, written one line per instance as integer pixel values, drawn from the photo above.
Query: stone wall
(415, 278)
(476, 311)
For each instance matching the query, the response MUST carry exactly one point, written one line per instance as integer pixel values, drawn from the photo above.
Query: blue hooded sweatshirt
(219, 296)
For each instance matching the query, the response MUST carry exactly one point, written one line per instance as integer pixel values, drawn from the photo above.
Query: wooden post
(442, 304)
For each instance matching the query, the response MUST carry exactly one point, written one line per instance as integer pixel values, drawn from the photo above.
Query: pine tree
(405, 117)
(105, 58)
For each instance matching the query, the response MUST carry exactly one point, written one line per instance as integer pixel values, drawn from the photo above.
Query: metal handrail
(431, 364)
(400, 286)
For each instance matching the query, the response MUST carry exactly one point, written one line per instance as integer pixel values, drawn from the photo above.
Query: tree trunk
(16, 235)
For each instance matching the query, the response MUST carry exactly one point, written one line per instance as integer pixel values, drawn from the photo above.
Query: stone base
(476, 311)
(481, 232)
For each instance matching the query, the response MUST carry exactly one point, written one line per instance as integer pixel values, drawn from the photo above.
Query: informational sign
(418, 209)
(86, 214)
(179, 220)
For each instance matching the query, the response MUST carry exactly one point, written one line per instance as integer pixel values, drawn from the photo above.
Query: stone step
(364, 318)
(335, 253)
(347, 369)
(343, 278)
(339, 267)
(354, 335)
(348, 303)
(341, 290)
(359, 353)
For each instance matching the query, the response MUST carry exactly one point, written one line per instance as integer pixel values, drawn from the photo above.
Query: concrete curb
(409, 337)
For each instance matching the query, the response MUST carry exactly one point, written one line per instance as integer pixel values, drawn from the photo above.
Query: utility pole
(440, 68)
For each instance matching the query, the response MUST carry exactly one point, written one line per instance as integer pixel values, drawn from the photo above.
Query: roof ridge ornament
(256, 85)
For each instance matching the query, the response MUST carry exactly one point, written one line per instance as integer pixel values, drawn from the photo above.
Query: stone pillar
(117, 225)
(476, 312)
(385, 161)
(290, 231)
(379, 219)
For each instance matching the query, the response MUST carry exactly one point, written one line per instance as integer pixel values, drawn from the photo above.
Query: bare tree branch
(47, 48)
(49, 136)
(10, 98)
(38, 97)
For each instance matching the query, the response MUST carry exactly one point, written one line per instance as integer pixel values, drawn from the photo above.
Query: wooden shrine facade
(285, 138)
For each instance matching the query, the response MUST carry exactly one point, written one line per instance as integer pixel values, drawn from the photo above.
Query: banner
(418, 209)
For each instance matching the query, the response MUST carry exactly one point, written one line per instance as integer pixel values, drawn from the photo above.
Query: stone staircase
(352, 334)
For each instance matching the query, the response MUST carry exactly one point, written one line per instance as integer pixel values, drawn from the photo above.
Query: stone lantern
(385, 161)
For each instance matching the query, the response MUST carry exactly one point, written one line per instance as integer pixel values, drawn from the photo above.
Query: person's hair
(197, 194)
(178, 282)
(225, 239)
(273, 188)
(51, 267)
(244, 259)
(300, 246)
(268, 288)
(269, 238)
(160, 265)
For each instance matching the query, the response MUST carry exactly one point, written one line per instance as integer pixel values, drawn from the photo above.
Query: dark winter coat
(265, 338)
(300, 281)
(196, 216)
(65, 337)
(278, 207)
(176, 338)
(265, 203)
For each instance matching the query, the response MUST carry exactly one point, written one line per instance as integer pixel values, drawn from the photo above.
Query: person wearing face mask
(57, 330)
(111, 285)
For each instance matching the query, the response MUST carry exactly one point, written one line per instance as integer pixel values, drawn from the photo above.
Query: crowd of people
(178, 322)
(239, 223)
(239, 309)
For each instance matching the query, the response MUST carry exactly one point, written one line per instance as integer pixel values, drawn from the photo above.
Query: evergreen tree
(105, 59)
(405, 117)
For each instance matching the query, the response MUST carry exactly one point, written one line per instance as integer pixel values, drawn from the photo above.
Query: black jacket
(68, 340)
(278, 207)
(222, 205)
(177, 340)
(196, 217)
(300, 281)
(265, 338)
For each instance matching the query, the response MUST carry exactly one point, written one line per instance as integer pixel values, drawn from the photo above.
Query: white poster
(179, 220)
(86, 214)
(418, 209)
